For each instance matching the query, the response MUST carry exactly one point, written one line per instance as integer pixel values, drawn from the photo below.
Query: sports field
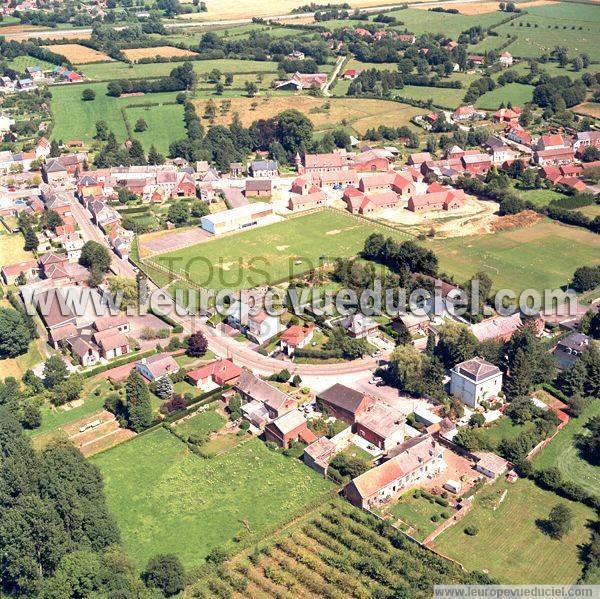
(326, 113)
(510, 544)
(169, 500)
(517, 93)
(563, 454)
(75, 119)
(543, 256)
(271, 253)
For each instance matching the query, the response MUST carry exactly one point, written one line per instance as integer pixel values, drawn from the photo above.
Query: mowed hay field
(166, 499)
(543, 256)
(134, 54)
(510, 544)
(358, 113)
(267, 254)
(563, 454)
(482, 7)
(78, 54)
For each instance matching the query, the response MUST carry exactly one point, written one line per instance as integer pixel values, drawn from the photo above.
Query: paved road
(221, 345)
(226, 22)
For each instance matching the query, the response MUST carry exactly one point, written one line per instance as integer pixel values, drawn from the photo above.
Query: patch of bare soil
(521, 220)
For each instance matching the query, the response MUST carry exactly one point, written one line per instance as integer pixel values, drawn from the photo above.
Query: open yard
(510, 544)
(134, 54)
(358, 114)
(517, 93)
(78, 54)
(440, 96)
(270, 253)
(203, 423)
(563, 454)
(11, 249)
(543, 256)
(168, 500)
(540, 197)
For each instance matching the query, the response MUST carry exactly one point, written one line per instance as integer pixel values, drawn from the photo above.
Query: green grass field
(576, 26)
(540, 197)
(201, 424)
(451, 25)
(253, 257)
(445, 97)
(540, 257)
(75, 119)
(20, 63)
(168, 500)
(517, 93)
(510, 544)
(564, 455)
(165, 125)
(11, 248)
(503, 428)
(105, 71)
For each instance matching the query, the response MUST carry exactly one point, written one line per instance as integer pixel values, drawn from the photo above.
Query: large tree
(139, 408)
(560, 521)
(55, 371)
(294, 131)
(14, 334)
(97, 258)
(197, 345)
(165, 572)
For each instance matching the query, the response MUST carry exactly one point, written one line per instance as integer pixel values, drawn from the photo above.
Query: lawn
(165, 125)
(510, 544)
(543, 256)
(416, 514)
(75, 119)
(540, 197)
(358, 113)
(202, 424)
(168, 500)
(20, 63)
(562, 453)
(517, 93)
(503, 428)
(119, 70)
(17, 366)
(11, 249)
(269, 253)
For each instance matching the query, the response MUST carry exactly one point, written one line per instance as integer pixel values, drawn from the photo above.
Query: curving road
(222, 345)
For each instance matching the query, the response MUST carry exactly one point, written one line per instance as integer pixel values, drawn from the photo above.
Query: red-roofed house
(321, 163)
(555, 156)
(296, 337)
(516, 133)
(289, 427)
(477, 164)
(350, 74)
(448, 199)
(464, 113)
(220, 372)
(507, 115)
(551, 142)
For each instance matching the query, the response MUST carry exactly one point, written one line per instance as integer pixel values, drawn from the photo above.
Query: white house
(506, 59)
(475, 380)
(259, 326)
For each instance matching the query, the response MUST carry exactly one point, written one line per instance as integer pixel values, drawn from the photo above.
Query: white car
(376, 380)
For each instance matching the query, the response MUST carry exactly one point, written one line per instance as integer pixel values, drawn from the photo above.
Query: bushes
(551, 479)
(177, 328)
(471, 530)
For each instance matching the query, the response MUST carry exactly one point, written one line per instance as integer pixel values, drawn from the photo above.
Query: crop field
(588, 109)
(266, 254)
(510, 544)
(153, 70)
(169, 500)
(482, 7)
(517, 93)
(74, 119)
(165, 125)
(540, 257)
(134, 54)
(78, 54)
(576, 26)
(563, 454)
(338, 552)
(359, 114)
